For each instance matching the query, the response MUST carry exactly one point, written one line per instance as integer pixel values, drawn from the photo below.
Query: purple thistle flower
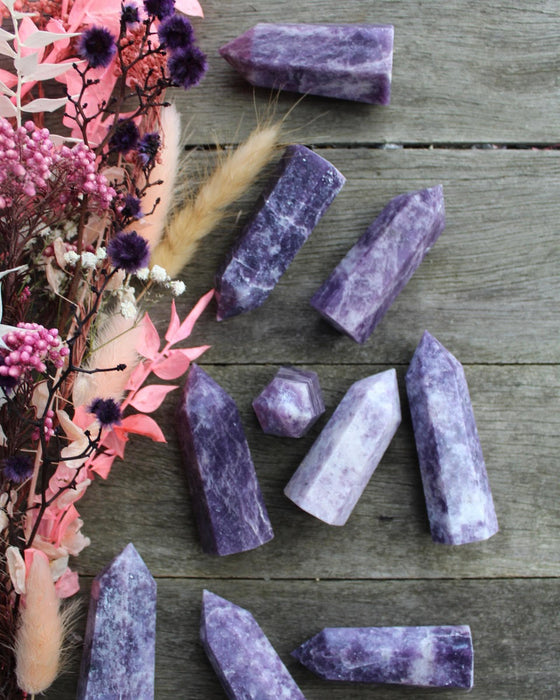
(130, 14)
(187, 66)
(97, 46)
(176, 32)
(107, 412)
(132, 207)
(159, 8)
(128, 251)
(148, 148)
(18, 468)
(125, 137)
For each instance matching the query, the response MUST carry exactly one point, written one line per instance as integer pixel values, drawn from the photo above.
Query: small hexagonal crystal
(290, 404)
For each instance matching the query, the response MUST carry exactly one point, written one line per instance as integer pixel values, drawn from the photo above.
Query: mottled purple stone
(420, 656)
(227, 502)
(118, 660)
(347, 61)
(334, 473)
(294, 200)
(290, 404)
(242, 657)
(458, 497)
(369, 278)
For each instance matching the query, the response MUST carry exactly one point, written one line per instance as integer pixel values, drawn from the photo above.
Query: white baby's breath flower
(143, 273)
(71, 257)
(159, 274)
(177, 287)
(101, 253)
(89, 260)
(128, 309)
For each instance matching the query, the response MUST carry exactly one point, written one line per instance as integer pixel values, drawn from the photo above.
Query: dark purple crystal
(348, 61)
(419, 656)
(294, 200)
(458, 497)
(369, 278)
(242, 657)
(227, 502)
(118, 660)
(290, 404)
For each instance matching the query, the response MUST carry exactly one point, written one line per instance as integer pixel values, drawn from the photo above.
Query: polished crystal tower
(226, 498)
(458, 497)
(296, 197)
(347, 61)
(336, 470)
(244, 660)
(440, 657)
(365, 283)
(118, 660)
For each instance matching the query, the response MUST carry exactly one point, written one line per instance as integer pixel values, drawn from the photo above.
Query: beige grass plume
(233, 176)
(40, 633)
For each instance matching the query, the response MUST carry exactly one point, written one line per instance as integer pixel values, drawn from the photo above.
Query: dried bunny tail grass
(232, 177)
(40, 634)
(116, 342)
(165, 171)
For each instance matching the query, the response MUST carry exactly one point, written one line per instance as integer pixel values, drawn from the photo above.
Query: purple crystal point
(118, 660)
(348, 61)
(244, 660)
(294, 200)
(369, 278)
(420, 656)
(226, 497)
(290, 404)
(334, 473)
(458, 497)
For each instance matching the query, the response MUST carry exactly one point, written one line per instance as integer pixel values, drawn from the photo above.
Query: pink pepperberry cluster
(30, 165)
(26, 157)
(48, 426)
(29, 347)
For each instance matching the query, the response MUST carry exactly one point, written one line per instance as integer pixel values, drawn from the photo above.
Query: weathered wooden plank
(486, 75)
(146, 498)
(489, 286)
(516, 632)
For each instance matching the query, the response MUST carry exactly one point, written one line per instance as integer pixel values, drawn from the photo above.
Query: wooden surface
(483, 76)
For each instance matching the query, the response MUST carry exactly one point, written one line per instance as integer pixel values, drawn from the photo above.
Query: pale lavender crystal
(118, 660)
(244, 660)
(348, 61)
(369, 278)
(227, 502)
(458, 497)
(290, 404)
(294, 200)
(334, 473)
(420, 656)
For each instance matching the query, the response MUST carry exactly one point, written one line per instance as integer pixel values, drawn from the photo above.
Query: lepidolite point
(439, 657)
(458, 497)
(346, 61)
(242, 656)
(290, 404)
(227, 502)
(118, 660)
(337, 468)
(294, 200)
(365, 283)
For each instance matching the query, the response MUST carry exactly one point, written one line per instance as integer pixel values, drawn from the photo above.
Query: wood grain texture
(516, 654)
(489, 74)
(387, 535)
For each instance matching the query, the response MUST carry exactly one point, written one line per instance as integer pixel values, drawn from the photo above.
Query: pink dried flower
(29, 347)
